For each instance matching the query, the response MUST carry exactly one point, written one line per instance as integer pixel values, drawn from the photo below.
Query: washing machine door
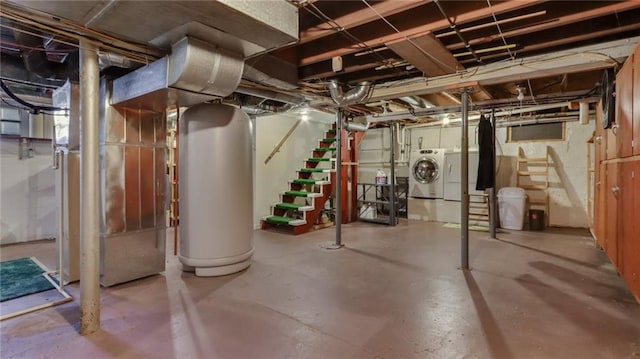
(425, 170)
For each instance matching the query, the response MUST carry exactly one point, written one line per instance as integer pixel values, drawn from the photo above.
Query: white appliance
(453, 175)
(426, 179)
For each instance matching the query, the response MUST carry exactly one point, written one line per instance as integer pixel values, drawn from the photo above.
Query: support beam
(464, 185)
(579, 59)
(89, 190)
(493, 215)
(392, 188)
(338, 184)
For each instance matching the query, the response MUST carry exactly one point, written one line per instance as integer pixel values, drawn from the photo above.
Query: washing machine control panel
(429, 152)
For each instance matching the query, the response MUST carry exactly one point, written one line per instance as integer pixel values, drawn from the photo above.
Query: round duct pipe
(355, 95)
(216, 202)
(357, 124)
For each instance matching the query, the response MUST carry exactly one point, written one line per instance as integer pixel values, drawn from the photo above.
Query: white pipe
(584, 113)
(89, 190)
(498, 114)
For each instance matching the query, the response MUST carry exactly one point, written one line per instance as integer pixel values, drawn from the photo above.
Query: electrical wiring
(495, 20)
(315, 11)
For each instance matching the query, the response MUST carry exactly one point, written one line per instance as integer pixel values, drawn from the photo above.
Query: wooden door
(601, 136)
(600, 201)
(624, 109)
(629, 243)
(636, 102)
(612, 194)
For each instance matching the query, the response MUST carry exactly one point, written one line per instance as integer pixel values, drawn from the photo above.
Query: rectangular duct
(194, 72)
(133, 179)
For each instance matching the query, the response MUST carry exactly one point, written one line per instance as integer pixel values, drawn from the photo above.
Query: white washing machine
(427, 178)
(452, 176)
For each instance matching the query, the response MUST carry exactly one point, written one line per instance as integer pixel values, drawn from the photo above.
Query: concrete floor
(390, 293)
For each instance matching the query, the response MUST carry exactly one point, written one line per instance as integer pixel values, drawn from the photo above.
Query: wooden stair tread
(310, 181)
(302, 194)
(312, 170)
(293, 206)
(285, 220)
(328, 140)
(532, 173)
(324, 149)
(319, 159)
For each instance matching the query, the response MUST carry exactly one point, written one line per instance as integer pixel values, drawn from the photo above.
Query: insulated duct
(357, 124)
(272, 95)
(355, 95)
(416, 102)
(195, 72)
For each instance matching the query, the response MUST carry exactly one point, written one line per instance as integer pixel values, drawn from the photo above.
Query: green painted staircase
(301, 205)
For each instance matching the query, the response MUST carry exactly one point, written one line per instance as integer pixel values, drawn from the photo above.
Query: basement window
(552, 131)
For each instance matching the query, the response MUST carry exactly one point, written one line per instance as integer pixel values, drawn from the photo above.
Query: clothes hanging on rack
(486, 177)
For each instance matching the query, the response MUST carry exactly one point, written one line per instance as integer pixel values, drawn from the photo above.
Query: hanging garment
(486, 176)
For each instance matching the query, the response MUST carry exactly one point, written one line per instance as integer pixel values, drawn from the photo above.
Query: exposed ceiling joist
(357, 18)
(560, 21)
(569, 61)
(327, 54)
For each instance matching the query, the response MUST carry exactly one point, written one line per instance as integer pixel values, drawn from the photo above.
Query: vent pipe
(356, 95)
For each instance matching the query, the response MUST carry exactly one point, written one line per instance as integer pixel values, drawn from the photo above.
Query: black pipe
(35, 108)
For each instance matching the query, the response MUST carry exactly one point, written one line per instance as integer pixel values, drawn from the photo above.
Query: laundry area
(319, 181)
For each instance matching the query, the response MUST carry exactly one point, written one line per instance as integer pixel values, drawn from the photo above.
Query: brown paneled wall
(617, 177)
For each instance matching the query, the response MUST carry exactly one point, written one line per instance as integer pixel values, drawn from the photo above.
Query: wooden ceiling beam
(557, 22)
(468, 16)
(360, 17)
(563, 41)
(427, 54)
(350, 64)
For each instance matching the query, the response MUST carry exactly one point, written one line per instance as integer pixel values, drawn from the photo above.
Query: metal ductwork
(355, 95)
(35, 60)
(357, 124)
(272, 95)
(417, 102)
(195, 72)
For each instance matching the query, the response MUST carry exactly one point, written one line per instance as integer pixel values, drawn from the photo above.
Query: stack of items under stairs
(302, 206)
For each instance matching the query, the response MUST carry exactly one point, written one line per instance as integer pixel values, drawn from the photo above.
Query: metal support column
(338, 204)
(464, 190)
(89, 190)
(492, 190)
(392, 189)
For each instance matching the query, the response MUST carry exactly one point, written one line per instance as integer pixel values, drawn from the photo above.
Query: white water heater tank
(216, 190)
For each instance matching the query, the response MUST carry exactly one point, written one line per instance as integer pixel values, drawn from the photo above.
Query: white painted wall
(567, 174)
(27, 196)
(272, 178)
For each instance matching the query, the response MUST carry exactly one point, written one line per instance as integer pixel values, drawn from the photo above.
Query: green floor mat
(279, 220)
(304, 181)
(297, 193)
(472, 227)
(284, 205)
(312, 170)
(20, 277)
(325, 149)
